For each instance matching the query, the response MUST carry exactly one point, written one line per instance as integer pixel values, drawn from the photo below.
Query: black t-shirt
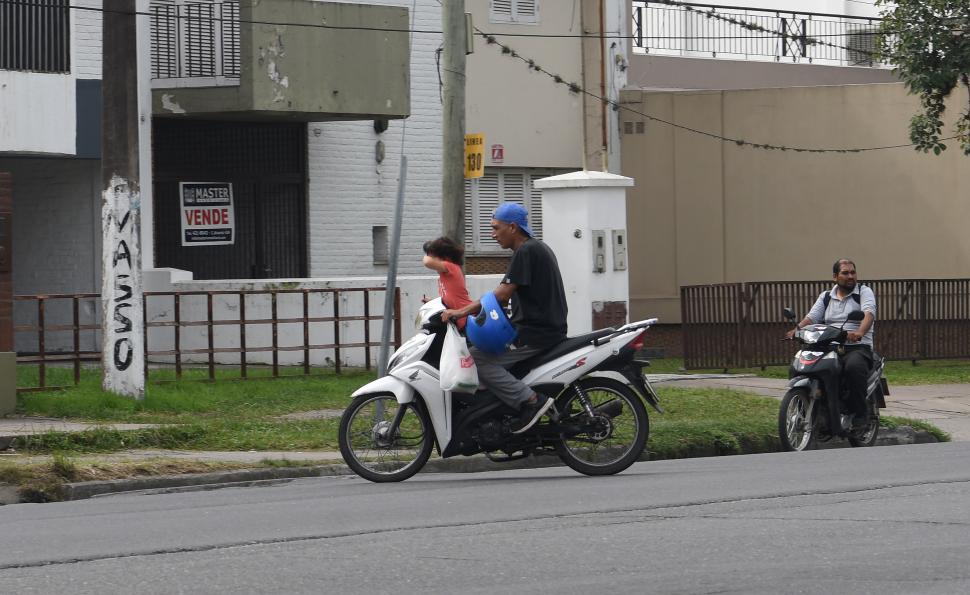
(539, 302)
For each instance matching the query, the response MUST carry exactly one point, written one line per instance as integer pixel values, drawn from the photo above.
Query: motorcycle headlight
(809, 335)
(403, 354)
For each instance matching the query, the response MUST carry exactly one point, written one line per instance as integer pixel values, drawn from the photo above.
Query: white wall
(538, 121)
(289, 305)
(37, 113)
(56, 241)
(349, 192)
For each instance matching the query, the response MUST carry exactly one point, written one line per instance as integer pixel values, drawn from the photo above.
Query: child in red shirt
(446, 257)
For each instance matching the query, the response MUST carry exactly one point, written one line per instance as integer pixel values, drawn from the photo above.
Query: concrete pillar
(584, 222)
(8, 357)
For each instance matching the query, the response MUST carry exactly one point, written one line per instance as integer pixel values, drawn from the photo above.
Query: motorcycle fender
(387, 384)
(645, 391)
(610, 374)
(799, 381)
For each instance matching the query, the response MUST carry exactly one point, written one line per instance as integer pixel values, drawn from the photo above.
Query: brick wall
(6, 282)
(87, 40)
(349, 192)
(664, 340)
(486, 265)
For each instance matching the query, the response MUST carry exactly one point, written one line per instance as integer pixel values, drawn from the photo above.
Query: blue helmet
(490, 330)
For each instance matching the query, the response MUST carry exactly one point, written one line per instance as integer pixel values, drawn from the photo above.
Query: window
(500, 185)
(195, 39)
(514, 11)
(380, 245)
(35, 35)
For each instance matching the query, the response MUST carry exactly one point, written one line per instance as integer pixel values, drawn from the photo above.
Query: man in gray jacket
(833, 307)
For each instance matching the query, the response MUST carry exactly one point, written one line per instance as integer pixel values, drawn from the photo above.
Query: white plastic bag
(458, 370)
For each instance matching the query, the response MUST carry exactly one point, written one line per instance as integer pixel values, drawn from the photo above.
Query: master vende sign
(207, 214)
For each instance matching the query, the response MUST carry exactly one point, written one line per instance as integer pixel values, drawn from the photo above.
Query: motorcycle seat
(520, 369)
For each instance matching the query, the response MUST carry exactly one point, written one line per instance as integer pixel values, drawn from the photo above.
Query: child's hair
(446, 249)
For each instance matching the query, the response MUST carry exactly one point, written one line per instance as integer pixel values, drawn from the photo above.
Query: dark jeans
(856, 364)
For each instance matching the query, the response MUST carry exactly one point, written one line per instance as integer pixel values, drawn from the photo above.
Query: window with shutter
(500, 185)
(514, 11)
(164, 35)
(195, 43)
(35, 35)
(199, 58)
(230, 39)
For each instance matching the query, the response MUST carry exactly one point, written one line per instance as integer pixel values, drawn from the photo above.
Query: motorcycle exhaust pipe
(610, 409)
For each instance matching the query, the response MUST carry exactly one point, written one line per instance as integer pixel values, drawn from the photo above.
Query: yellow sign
(474, 155)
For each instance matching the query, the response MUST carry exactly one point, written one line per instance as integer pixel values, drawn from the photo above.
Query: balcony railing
(194, 44)
(740, 33)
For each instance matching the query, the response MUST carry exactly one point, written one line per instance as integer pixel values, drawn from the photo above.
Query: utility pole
(453, 120)
(123, 347)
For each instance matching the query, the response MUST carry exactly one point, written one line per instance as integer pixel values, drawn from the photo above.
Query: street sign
(207, 213)
(474, 155)
(498, 154)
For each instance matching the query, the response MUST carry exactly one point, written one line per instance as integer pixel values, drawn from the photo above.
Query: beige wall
(706, 211)
(538, 121)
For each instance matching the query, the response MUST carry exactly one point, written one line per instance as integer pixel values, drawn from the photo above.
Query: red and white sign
(208, 218)
(498, 154)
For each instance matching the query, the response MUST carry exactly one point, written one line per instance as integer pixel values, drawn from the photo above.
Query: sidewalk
(946, 406)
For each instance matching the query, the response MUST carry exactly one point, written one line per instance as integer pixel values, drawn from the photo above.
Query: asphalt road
(880, 520)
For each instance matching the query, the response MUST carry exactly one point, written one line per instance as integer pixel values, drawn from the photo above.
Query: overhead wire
(412, 30)
(576, 88)
(491, 38)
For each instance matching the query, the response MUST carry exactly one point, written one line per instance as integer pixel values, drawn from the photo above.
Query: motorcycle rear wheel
(795, 429)
(370, 450)
(625, 438)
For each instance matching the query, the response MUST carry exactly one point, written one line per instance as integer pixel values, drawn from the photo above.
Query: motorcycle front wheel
(621, 428)
(868, 436)
(373, 450)
(796, 430)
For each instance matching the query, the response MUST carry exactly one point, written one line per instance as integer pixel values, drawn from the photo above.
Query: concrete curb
(269, 476)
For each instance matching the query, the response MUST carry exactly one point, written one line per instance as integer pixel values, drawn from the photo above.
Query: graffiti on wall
(121, 293)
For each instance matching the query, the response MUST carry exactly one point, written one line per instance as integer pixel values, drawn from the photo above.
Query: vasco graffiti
(121, 296)
(123, 349)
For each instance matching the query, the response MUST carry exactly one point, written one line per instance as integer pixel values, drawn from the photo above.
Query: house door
(267, 167)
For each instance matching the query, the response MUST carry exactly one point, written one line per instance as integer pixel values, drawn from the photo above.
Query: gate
(267, 166)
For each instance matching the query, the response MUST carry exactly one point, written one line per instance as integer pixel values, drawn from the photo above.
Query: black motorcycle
(814, 408)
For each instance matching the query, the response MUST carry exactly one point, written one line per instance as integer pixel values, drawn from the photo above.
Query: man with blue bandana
(534, 285)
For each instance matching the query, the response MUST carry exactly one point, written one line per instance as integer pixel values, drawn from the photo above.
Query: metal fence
(740, 325)
(738, 32)
(300, 329)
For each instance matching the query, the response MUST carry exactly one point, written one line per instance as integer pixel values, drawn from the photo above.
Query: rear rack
(626, 328)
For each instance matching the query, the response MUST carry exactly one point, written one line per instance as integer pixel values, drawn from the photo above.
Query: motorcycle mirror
(856, 315)
(789, 314)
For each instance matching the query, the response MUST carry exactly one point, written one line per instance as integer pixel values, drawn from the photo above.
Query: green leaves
(929, 43)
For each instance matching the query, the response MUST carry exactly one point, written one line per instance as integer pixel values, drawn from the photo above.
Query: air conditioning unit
(861, 45)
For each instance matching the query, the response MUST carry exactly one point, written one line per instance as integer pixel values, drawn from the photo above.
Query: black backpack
(828, 298)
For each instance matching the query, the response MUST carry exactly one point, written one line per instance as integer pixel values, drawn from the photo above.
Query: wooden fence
(740, 325)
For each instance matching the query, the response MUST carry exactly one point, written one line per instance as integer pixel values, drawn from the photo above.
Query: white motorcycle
(598, 425)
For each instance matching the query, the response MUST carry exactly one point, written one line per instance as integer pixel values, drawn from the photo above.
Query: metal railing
(66, 319)
(740, 325)
(300, 329)
(195, 43)
(737, 32)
